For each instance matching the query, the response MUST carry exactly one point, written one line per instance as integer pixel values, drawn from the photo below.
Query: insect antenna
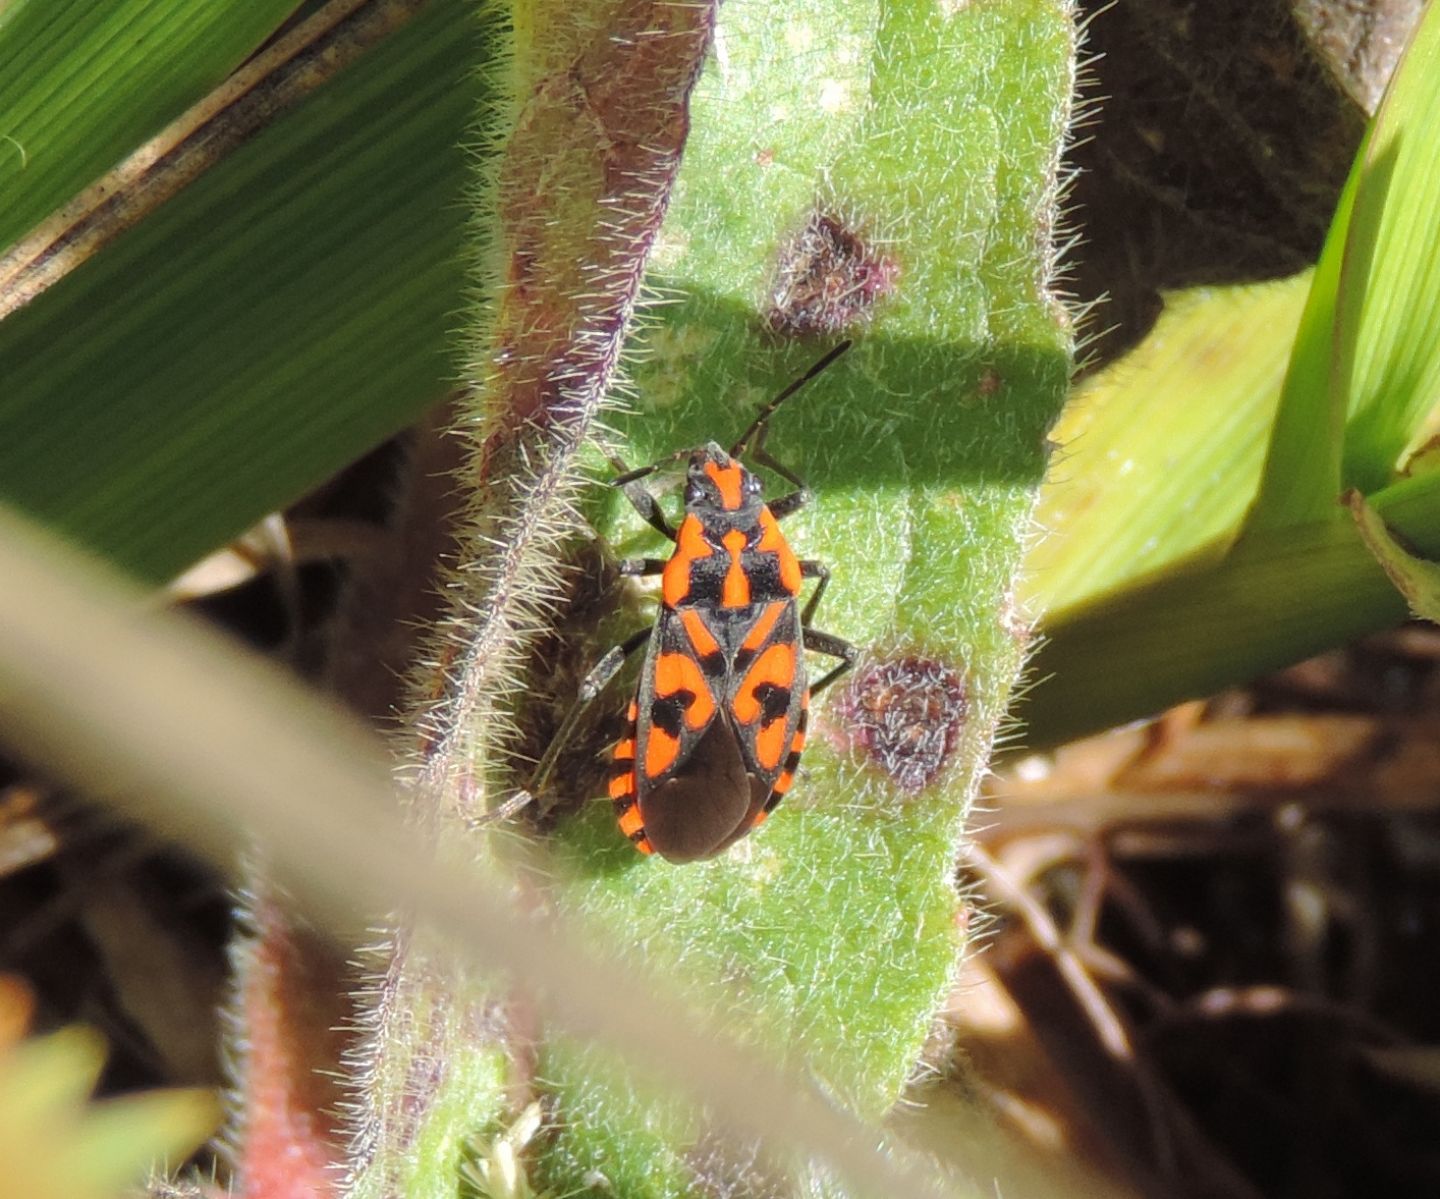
(769, 410)
(630, 476)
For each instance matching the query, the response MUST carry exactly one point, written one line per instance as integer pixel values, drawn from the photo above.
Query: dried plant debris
(1359, 43)
(1225, 926)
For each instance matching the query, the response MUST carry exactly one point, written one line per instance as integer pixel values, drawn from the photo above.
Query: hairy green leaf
(889, 172)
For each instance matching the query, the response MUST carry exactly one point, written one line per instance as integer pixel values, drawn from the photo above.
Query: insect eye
(752, 485)
(694, 493)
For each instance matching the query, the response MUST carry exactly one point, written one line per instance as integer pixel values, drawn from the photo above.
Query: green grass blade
(1270, 602)
(1298, 581)
(1389, 303)
(1161, 452)
(1302, 470)
(276, 319)
(82, 84)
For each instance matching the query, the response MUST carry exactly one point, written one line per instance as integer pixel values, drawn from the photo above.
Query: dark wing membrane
(702, 808)
(768, 693)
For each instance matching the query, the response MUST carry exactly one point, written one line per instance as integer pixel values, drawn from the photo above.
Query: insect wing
(692, 792)
(677, 701)
(769, 697)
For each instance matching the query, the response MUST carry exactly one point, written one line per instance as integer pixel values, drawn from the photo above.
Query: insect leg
(786, 504)
(649, 508)
(760, 455)
(508, 810)
(631, 568)
(793, 502)
(834, 647)
(640, 499)
(811, 569)
(609, 665)
(590, 686)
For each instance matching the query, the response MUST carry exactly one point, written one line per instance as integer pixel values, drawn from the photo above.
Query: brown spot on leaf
(906, 715)
(990, 383)
(829, 278)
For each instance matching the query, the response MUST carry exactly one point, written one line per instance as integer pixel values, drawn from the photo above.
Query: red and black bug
(717, 725)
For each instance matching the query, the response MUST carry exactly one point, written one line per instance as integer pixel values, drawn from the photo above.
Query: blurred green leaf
(56, 1146)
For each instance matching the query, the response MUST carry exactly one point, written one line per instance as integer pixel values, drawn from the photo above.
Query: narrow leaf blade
(83, 84)
(1161, 452)
(1389, 302)
(279, 317)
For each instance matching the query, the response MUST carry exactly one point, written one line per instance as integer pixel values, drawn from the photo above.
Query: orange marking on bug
(773, 541)
(680, 672)
(699, 633)
(760, 631)
(776, 666)
(632, 713)
(690, 546)
(758, 819)
(625, 749)
(622, 786)
(736, 591)
(727, 480)
(644, 846)
(770, 743)
(782, 784)
(630, 820)
(661, 750)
